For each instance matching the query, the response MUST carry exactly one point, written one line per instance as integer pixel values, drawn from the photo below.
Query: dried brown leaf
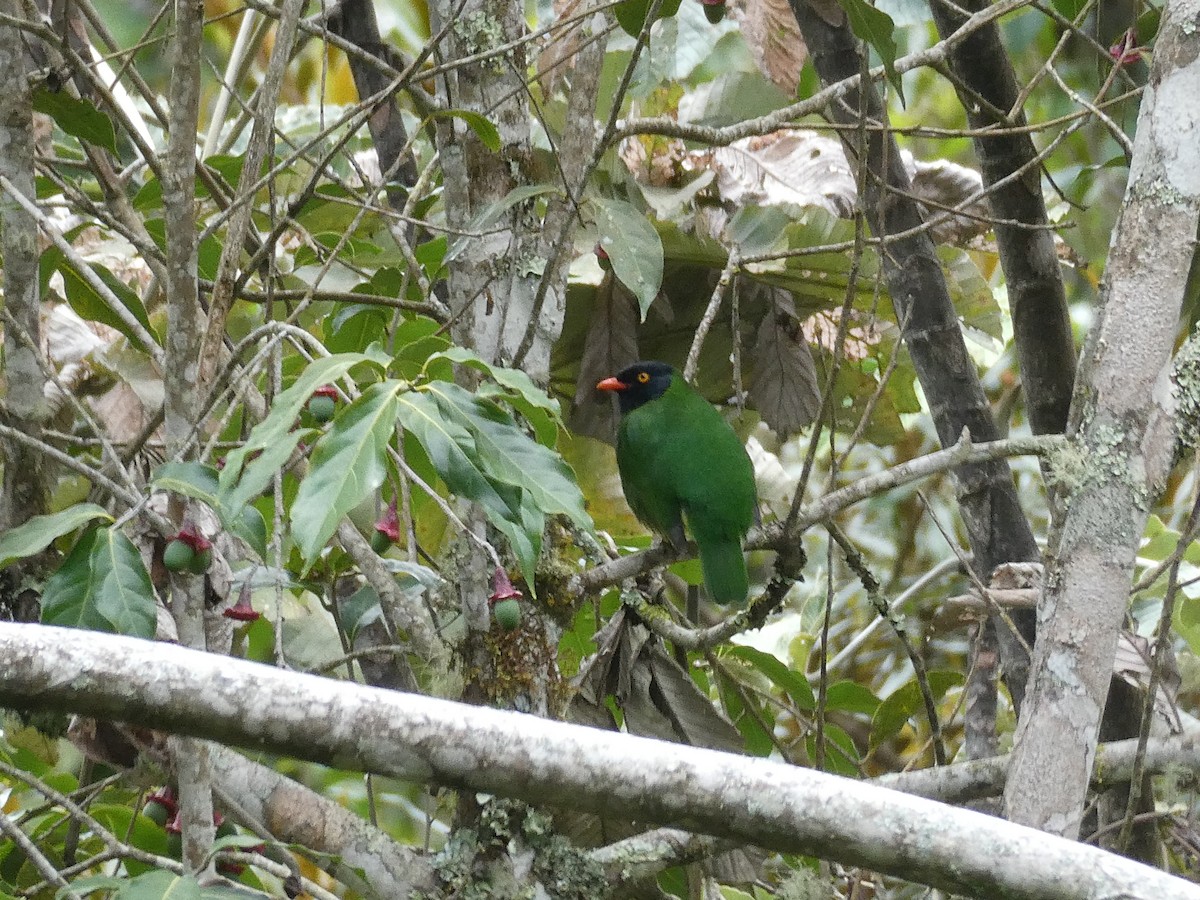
(610, 346)
(770, 31)
(784, 388)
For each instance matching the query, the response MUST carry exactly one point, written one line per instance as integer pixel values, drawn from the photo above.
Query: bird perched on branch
(681, 462)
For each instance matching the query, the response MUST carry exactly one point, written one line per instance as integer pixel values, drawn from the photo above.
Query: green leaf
(850, 696)
(793, 683)
(758, 741)
(353, 327)
(277, 426)
(160, 885)
(191, 479)
(102, 585)
(876, 28)
(633, 248)
(509, 455)
(251, 527)
(87, 302)
(905, 702)
(77, 117)
(484, 130)
(258, 474)
(347, 465)
(631, 15)
(514, 380)
(36, 534)
(452, 451)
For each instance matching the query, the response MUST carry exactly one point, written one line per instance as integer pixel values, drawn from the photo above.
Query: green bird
(681, 462)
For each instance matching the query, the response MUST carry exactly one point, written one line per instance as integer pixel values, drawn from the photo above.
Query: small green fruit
(380, 542)
(507, 614)
(322, 408)
(200, 562)
(178, 556)
(156, 812)
(714, 12)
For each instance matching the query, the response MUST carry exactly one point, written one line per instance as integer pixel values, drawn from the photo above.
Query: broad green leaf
(284, 411)
(509, 455)
(353, 327)
(513, 379)
(87, 302)
(160, 885)
(633, 248)
(794, 684)
(484, 130)
(76, 116)
(102, 585)
(850, 696)
(876, 28)
(452, 451)
(415, 341)
(841, 755)
(905, 702)
(1187, 620)
(631, 15)
(36, 534)
(347, 464)
(749, 722)
(191, 479)
(251, 527)
(257, 474)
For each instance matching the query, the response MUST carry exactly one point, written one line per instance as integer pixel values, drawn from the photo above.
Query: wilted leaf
(795, 166)
(610, 346)
(346, 466)
(633, 248)
(35, 535)
(947, 184)
(784, 388)
(102, 585)
(773, 39)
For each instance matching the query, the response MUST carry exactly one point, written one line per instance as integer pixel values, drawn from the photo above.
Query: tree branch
(1125, 443)
(417, 738)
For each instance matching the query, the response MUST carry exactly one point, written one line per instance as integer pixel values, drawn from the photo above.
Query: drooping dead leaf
(795, 166)
(784, 388)
(773, 37)
(610, 346)
(657, 697)
(945, 185)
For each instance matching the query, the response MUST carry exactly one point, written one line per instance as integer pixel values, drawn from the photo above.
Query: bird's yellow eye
(643, 377)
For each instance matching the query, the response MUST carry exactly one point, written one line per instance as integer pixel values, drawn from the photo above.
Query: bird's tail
(724, 569)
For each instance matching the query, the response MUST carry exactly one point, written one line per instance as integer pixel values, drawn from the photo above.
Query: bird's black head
(638, 384)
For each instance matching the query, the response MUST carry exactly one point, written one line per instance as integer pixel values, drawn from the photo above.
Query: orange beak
(612, 384)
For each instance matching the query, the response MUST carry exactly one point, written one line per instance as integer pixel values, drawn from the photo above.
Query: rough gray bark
(1041, 321)
(417, 738)
(24, 403)
(1124, 442)
(185, 322)
(997, 526)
